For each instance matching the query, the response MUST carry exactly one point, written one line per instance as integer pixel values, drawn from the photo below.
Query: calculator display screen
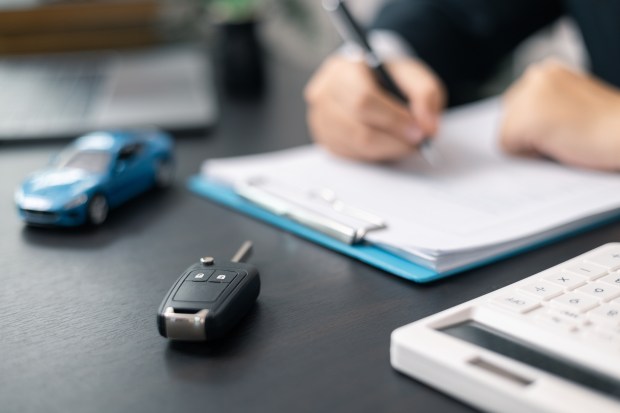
(502, 343)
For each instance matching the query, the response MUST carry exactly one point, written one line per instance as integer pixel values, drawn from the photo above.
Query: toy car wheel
(164, 173)
(98, 209)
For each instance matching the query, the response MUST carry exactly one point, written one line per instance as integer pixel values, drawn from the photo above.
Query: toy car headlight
(77, 201)
(19, 196)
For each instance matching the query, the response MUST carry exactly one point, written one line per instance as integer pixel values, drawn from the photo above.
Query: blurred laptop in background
(72, 67)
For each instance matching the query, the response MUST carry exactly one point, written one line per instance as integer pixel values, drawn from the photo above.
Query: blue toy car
(98, 171)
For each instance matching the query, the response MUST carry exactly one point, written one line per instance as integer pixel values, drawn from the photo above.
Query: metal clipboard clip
(320, 210)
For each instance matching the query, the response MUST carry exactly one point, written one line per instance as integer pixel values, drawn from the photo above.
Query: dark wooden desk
(77, 308)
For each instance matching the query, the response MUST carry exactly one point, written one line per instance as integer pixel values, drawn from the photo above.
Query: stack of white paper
(473, 203)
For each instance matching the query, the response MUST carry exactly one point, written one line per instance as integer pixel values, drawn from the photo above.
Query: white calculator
(548, 343)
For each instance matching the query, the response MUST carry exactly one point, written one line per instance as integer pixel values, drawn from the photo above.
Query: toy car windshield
(95, 161)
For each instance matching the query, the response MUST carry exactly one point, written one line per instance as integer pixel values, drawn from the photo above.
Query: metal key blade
(243, 253)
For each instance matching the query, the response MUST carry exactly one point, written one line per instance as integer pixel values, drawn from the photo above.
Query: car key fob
(209, 298)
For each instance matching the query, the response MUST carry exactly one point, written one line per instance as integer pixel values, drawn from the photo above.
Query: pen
(350, 30)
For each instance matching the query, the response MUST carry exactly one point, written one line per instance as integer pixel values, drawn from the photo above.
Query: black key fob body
(207, 300)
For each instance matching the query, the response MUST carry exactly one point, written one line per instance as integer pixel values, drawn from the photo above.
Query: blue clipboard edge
(369, 254)
(366, 253)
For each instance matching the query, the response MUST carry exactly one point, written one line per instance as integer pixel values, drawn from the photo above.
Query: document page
(472, 198)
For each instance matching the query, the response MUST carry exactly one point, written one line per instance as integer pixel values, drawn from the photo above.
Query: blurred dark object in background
(247, 29)
(239, 52)
(240, 56)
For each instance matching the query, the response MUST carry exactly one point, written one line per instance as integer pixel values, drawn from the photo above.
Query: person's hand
(352, 116)
(565, 115)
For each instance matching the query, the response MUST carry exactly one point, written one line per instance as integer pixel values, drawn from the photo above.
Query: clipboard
(354, 247)
(465, 190)
(357, 248)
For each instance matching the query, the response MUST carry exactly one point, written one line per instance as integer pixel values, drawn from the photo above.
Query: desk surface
(77, 308)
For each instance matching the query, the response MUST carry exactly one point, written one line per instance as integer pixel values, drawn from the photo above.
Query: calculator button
(568, 315)
(609, 259)
(542, 289)
(599, 290)
(199, 276)
(613, 278)
(566, 280)
(575, 302)
(222, 276)
(555, 322)
(205, 292)
(516, 303)
(586, 269)
(608, 314)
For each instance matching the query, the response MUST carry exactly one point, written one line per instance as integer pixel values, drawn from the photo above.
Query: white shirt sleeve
(388, 45)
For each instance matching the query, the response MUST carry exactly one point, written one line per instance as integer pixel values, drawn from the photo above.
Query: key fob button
(199, 276)
(222, 276)
(194, 291)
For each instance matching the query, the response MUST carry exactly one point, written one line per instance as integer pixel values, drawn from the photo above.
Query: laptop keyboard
(39, 93)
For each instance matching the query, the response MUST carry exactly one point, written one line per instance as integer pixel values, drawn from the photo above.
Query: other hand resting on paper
(352, 116)
(565, 115)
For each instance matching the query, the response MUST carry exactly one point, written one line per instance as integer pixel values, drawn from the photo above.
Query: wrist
(614, 129)
(608, 132)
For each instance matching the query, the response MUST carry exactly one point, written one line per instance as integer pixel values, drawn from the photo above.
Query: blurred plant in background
(232, 11)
